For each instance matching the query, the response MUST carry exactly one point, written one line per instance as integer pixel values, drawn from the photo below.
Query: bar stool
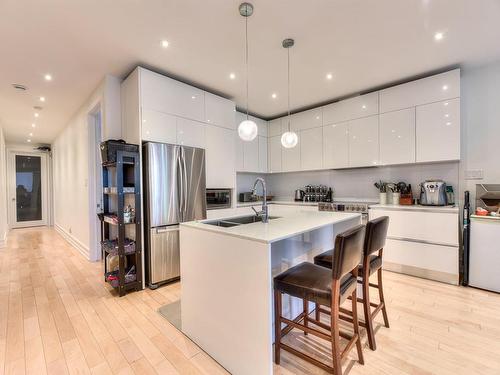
(331, 288)
(376, 234)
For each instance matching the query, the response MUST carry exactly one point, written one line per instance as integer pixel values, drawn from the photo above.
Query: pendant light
(289, 139)
(247, 129)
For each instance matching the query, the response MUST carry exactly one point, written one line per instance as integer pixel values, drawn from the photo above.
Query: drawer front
(432, 227)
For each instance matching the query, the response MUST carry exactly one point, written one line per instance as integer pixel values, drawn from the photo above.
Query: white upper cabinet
(290, 157)
(397, 137)
(158, 127)
(274, 154)
(219, 157)
(219, 111)
(275, 128)
(312, 118)
(190, 133)
(336, 145)
(438, 131)
(262, 154)
(251, 155)
(363, 142)
(423, 91)
(166, 95)
(349, 109)
(239, 150)
(311, 149)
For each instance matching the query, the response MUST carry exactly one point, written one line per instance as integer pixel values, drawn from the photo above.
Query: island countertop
(287, 224)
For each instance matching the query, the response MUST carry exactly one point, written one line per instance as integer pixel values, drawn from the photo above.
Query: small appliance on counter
(247, 196)
(299, 195)
(314, 193)
(433, 193)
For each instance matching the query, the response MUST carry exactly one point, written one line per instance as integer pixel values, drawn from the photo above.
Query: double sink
(235, 221)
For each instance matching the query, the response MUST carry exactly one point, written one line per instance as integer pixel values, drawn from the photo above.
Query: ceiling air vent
(18, 86)
(37, 108)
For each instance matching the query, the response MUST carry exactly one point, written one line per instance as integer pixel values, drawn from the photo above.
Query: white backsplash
(353, 183)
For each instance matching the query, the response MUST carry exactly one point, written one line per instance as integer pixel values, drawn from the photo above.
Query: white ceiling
(364, 43)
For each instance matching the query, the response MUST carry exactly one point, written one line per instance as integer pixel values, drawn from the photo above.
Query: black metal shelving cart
(121, 231)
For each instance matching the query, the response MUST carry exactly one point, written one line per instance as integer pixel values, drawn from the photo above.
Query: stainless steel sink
(234, 221)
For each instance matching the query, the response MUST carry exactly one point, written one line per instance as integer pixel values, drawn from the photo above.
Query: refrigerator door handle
(184, 184)
(181, 185)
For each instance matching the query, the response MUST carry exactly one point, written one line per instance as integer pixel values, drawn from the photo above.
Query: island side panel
(303, 248)
(226, 304)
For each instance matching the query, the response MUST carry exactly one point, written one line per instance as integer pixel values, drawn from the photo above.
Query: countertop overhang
(285, 226)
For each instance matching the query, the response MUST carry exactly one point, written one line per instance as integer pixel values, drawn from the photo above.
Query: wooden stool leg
(382, 299)
(337, 365)
(316, 310)
(277, 326)
(356, 326)
(367, 309)
(306, 314)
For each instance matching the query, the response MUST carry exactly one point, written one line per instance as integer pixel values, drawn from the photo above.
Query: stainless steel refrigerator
(174, 186)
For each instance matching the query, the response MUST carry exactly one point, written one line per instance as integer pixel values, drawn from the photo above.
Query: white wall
(480, 118)
(3, 190)
(71, 162)
(355, 183)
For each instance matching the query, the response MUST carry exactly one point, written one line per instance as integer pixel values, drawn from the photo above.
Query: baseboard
(84, 250)
(3, 239)
(443, 277)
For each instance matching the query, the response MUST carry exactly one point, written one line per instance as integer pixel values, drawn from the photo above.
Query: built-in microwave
(218, 198)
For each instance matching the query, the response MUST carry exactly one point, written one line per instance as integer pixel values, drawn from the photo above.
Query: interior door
(28, 190)
(193, 184)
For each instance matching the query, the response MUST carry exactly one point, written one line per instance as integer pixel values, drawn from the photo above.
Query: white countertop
(287, 225)
(291, 202)
(488, 217)
(444, 209)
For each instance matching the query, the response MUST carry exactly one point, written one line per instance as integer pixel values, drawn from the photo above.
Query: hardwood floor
(57, 316)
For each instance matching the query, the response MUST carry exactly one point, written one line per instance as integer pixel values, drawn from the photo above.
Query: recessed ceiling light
(33, 125)
(232, 75)
(42, 98)
(329, 76)
(48, 77)
(193, 97)
(445, 87)
(447, 115)
(31, 134)
(438, 36)
(448, 123)
(317, 117)
(445, 104)
(164, 43)
(36, 114)
(28, 140)
(274, 95)
(363, 106)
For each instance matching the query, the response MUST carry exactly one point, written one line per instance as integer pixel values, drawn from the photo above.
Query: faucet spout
(265, 211)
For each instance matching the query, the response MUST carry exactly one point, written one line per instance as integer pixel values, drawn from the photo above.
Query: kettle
(299, 195)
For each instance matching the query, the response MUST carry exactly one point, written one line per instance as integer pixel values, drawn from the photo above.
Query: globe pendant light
(289, 139)
(247, 129)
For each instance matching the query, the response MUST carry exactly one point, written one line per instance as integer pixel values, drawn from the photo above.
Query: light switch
(474, 174)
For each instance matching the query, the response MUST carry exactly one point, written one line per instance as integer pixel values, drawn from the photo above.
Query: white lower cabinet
(262, 154)
(397, 137)
(336, 145)
(158, 126)
(438, 131)
(274, 154)
(290, 157)
(190, 133)
(220, 157)
(311, 149)
(363, 142)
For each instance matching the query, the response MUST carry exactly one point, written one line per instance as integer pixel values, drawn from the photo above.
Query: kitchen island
(227, 273)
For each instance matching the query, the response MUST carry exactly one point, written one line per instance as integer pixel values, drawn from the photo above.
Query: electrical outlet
(474, 174)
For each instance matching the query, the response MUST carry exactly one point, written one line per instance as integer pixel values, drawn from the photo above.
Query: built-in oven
(218, 198)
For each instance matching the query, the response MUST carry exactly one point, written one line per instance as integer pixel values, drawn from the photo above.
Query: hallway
(57, 316)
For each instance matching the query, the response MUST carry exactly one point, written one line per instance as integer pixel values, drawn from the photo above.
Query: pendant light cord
(246, 55)
(288, 80)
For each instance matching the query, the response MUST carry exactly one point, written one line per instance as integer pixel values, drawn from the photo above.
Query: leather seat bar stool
(376, 234)
(328, 287)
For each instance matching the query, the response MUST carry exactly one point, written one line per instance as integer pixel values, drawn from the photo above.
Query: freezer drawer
(164, 259)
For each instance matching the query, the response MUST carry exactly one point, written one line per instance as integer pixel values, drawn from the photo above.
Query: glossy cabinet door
(164, 94)
(336, 145)
(190, 133)
(423, 91)
(397, 137)
(251, 155)
(363, 142)
(290, 157)
(219, 111)
(311, 149)
(274, 154)
(349, 109)
(240, 153)
(220, 157)
(312, 118)
(158, 127)
(262, 154)
(438, 131)
(275, 128)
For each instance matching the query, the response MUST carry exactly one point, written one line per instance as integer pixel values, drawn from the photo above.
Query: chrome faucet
(265, 212)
